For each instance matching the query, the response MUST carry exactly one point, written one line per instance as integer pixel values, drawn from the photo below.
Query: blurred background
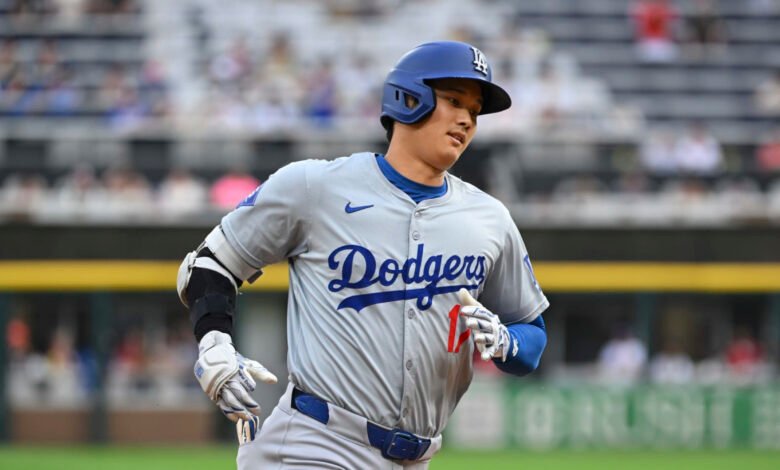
(640, 160)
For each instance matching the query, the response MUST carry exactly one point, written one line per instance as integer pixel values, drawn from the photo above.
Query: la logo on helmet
(480, 61)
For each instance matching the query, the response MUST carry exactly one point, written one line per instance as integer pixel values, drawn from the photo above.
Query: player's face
(444, 135)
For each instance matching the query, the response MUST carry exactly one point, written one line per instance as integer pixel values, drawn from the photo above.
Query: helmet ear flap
(406, 99)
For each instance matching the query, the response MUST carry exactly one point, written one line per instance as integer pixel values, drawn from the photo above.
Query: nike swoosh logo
(349, 209)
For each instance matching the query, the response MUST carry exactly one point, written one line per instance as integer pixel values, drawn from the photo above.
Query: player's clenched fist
(490, 335)
(227, 377)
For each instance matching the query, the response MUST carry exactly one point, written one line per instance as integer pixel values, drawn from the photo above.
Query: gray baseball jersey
(373, 321)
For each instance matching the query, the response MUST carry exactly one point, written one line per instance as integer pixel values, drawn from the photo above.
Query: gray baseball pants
(289, 439)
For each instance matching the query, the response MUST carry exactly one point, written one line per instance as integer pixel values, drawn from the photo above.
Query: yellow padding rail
(118, 275)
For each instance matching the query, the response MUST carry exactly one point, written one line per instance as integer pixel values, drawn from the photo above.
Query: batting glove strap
(490, 335)
(217, 362)
(502, 345)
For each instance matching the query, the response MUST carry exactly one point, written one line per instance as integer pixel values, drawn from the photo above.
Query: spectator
(768, 154)
(232, 68)
(154, 90)
(62, 97)
(131, 360)
(129, 112)
(706, 30)
(64, 382)
(272, 112)
(112, 87)
(32, 8)
(658, 153)
(359, 90)
(8, 61)
(623, 358)
(698, 152)
(744, 355)
(17, 334)
(181, 194)
(767, 97)
(321, 99)
(47, 64)
(22, 195)
(232, 188)
(70, 12)
(672, 365)
(654, 23)
(279, 75)
(548, 98)
(77, 195)
(127, 193)
(18, 97)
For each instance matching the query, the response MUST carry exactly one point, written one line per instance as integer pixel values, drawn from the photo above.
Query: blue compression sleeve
(531, 339)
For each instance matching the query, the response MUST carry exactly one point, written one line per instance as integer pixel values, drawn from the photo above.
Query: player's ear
(410, 101)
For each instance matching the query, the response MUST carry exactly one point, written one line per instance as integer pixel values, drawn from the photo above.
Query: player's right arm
(208, 282)
(263, 229)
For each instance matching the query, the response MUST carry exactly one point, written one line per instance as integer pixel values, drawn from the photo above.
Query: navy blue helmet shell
(431, 61)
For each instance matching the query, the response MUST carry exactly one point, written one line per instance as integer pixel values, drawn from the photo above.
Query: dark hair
(389, 129)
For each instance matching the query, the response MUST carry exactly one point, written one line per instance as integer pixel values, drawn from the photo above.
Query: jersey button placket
(409, 326)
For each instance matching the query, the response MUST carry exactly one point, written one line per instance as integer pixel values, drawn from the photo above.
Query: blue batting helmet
(431, 61)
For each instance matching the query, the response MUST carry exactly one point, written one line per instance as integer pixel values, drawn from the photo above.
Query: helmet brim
(494, 98)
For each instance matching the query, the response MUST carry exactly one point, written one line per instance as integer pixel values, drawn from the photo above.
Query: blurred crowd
(625, 360)
(52, 75)
(271, 82)
(675, 176)
(60, 368)
(20, 11)
(153, 363)
(271, 88)
(277, 81)
(121, 194)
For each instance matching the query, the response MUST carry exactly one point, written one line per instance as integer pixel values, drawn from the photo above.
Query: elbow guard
(208, 282)
(221, 258)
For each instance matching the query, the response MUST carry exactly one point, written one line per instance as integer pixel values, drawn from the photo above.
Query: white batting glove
(227, 377)
(490, 335)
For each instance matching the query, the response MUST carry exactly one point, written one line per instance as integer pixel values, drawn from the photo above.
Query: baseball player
(387, 255)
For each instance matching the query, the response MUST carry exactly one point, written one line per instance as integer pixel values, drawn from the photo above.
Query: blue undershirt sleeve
(531, 340)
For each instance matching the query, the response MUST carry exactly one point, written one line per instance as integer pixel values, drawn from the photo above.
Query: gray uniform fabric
(372, 316)
(290, 440)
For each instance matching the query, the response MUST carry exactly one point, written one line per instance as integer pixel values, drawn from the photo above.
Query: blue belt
(395, 444)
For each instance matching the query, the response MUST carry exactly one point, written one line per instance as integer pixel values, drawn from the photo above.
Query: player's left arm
(527, 342)
(507, 325)
(515, 349)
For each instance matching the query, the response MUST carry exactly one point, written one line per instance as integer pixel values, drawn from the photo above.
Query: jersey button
(410, 314)
(409, 364)
(405, 412)
(416, 235)
(417, 213)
